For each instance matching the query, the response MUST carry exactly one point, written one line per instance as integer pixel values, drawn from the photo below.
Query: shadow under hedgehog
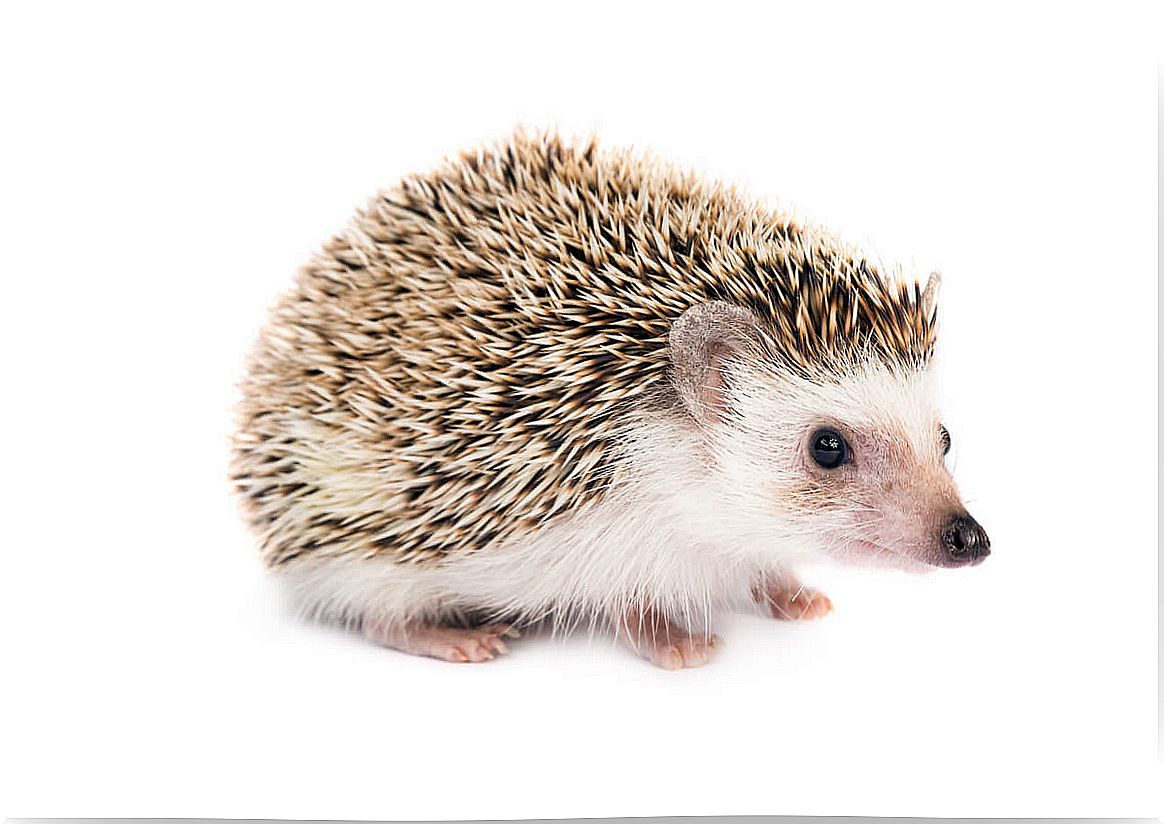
(553, 383)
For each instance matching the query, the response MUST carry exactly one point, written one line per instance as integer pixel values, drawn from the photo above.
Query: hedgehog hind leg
(653, 636)
(455, 644)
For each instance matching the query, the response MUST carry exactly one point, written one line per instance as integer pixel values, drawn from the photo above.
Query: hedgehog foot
(456, 644)
(663, 643)
(790, 600)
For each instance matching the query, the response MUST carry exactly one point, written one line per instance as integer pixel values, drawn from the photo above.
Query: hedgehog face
(854, 464)
(842, 459)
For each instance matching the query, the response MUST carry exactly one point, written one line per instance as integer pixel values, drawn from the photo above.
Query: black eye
(829, 448)
(945, 441)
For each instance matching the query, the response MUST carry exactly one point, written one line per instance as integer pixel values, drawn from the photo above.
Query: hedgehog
(556, 384)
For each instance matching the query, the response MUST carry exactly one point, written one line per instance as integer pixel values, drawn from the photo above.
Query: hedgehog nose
(965, 540)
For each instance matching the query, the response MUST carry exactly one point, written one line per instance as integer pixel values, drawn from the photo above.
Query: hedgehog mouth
(887, 556)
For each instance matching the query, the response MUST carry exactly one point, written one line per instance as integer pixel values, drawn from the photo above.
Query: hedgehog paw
(691, 651)
(456, 644)
(790, 600)
(663, 643)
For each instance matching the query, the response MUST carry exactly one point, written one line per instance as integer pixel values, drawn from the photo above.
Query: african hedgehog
(553, 383)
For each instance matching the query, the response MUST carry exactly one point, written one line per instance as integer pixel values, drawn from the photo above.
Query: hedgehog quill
(551, 382)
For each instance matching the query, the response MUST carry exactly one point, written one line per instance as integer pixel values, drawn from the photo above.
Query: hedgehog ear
(929, 298)
(703, 340)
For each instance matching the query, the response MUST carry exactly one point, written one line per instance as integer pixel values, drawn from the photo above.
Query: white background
(165, 170)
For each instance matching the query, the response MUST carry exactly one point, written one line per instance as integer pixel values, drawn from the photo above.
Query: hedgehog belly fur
(657, 539)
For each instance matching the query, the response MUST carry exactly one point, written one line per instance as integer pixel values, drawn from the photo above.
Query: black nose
(965, 540)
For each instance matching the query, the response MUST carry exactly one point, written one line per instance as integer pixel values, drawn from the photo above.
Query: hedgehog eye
(829, 448)
(945, 440)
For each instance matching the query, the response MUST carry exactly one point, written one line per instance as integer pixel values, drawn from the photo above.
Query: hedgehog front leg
(789, 599)
(664, 643)
(459, 645)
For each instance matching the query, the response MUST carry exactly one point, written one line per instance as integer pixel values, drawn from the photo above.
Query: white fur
(703, 513)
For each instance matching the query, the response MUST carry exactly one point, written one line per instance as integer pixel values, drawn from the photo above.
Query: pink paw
(662, 642)
(455, 644)
(462, 646)
(798, 603)
(682, 653)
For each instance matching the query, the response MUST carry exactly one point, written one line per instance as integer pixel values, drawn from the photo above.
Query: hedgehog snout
(965, 541)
